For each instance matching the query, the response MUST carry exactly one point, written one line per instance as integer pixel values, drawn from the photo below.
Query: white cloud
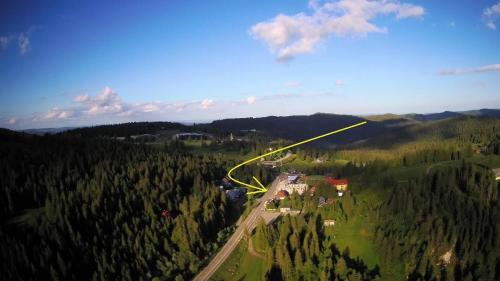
(5, 41)
(288, 36)
(54, 114)
(459, 71)
(151, 107)
(284, 96)
(65, 114)
(491, 15)
(12, 121)
(24, 43)
(339, 83)
(207, 103)
(81, 98)
(106, 102)
(109, 103)
(23, 40)
(251, 100)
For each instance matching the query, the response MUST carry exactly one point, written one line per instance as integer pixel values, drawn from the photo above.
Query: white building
(284, 209)
(329, 223)
(300, 188)
(497, 173)
(295, 183)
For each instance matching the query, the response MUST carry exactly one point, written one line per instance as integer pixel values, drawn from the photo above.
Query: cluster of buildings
(191, 136)
(295, 182)
(290, 183)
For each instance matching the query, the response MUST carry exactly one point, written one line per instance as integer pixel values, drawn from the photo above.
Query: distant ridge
(126, 129)
(43, 131)
(298, 126)
(435, 116)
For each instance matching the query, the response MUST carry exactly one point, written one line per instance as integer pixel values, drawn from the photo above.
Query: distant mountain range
(436, 116)
(42, 131)
(386, 126)
(381, 128)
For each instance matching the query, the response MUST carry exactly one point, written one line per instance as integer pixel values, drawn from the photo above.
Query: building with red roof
(282, 194)
(340, 184)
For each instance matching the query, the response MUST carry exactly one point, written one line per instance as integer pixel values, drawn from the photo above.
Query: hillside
(478, 130)
(300, 127)
(126, 129)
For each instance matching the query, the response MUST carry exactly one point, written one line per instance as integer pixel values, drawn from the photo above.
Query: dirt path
(252, 251)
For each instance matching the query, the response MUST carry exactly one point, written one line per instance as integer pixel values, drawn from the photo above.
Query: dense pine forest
(90, 209)
(452, 210)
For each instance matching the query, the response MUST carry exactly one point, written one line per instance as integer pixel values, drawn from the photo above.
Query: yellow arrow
(260, 189)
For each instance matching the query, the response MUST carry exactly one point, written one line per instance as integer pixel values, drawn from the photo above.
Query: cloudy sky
(75, 63)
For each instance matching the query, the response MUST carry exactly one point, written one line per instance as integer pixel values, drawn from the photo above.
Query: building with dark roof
(236, 194)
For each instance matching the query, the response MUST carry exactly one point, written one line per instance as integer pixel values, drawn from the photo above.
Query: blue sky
(86, 63)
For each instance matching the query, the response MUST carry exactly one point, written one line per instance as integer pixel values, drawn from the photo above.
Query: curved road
(250, 223)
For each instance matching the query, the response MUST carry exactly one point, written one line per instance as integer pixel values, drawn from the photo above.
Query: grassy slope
(357, 233)
(240, 265)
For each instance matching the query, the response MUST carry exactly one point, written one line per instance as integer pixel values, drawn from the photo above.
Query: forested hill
(391, 130)
(495, 113)
(476, 130)
(127, 129)
(300, 126)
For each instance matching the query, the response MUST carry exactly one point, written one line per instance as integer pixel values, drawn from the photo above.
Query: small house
(497, 173)
(165, 214)
(329, 222)
(284, 209)
(321, 201)
(236, 194)
(282, 194)
(340, 184)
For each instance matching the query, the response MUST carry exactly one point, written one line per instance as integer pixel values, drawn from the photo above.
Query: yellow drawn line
(262, 188)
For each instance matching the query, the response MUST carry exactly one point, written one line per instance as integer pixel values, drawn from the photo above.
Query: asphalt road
(250, 223)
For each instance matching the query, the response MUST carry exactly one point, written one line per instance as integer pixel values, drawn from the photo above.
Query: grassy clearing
(240, 265)
(315, 179)
(357, 234)
(196, 143)
(492, 161)
(300, 164)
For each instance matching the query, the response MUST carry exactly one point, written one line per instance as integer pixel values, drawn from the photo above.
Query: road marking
(262, 188)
